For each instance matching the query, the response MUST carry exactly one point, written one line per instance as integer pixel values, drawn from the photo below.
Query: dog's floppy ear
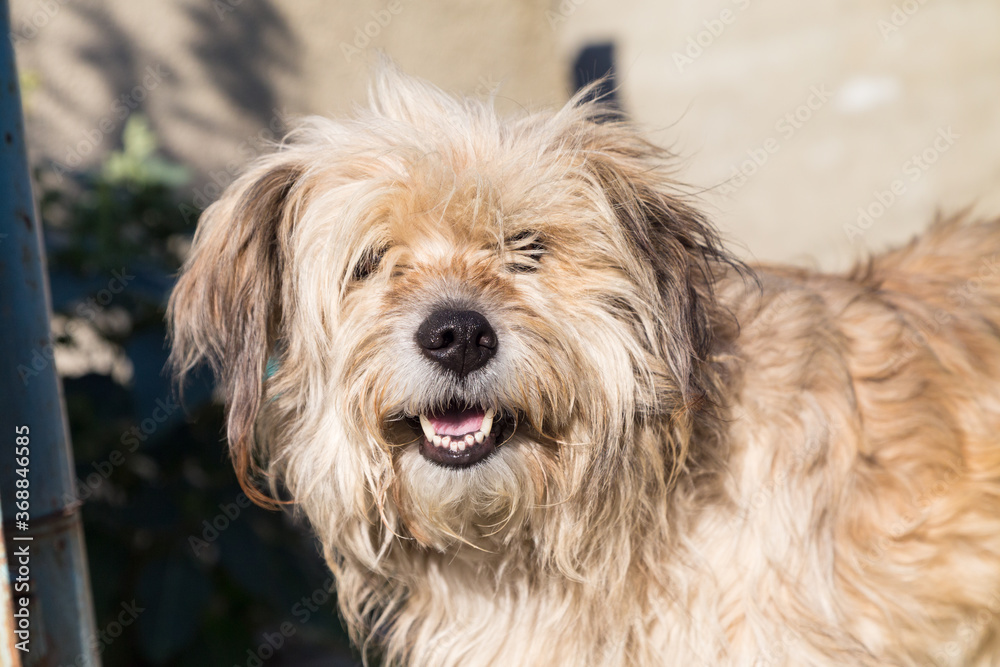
(226, 308)
(678, 243)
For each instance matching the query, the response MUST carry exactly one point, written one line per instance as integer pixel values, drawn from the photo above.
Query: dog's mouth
(458, 437)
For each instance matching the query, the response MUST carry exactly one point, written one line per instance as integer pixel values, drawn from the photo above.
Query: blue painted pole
(50, 586)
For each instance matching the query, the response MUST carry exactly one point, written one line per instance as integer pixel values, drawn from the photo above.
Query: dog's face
(471, 319)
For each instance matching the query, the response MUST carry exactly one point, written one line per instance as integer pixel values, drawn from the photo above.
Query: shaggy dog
(537, 415)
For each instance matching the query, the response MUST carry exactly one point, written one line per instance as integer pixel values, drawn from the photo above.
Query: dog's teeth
(459, 445)
(479, 436)
(487, 422)
(446, 442)
(469, 440)
(437, 440)
(425, 424)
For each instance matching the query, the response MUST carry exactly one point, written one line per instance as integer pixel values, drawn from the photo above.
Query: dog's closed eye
(369, 262)
(525, 249)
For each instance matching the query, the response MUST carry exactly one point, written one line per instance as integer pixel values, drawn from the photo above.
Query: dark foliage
(218, 581)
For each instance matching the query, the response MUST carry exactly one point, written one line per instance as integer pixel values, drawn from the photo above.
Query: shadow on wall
(238, 49)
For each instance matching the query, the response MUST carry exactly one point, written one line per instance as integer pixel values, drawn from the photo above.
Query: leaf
(137, 163)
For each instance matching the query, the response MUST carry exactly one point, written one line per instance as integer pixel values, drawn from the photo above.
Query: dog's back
(867, 429)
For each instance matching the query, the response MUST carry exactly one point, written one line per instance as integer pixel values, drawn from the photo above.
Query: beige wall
(897, 72)
(885, 80)
(213, 75)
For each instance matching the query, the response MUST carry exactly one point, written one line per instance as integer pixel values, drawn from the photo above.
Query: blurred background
(817, 132)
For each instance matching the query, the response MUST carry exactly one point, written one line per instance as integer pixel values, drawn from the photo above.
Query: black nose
(459, 340)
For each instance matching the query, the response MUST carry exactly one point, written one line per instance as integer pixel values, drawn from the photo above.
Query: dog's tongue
(457, 422)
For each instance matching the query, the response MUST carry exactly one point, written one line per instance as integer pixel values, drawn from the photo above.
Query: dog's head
(471, 322)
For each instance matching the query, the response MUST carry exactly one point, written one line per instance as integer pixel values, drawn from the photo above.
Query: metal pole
(44, 536)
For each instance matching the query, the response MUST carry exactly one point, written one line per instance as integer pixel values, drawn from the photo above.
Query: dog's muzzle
(459, 434)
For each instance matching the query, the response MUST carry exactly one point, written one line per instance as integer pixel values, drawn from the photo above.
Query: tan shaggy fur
(713, 464)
